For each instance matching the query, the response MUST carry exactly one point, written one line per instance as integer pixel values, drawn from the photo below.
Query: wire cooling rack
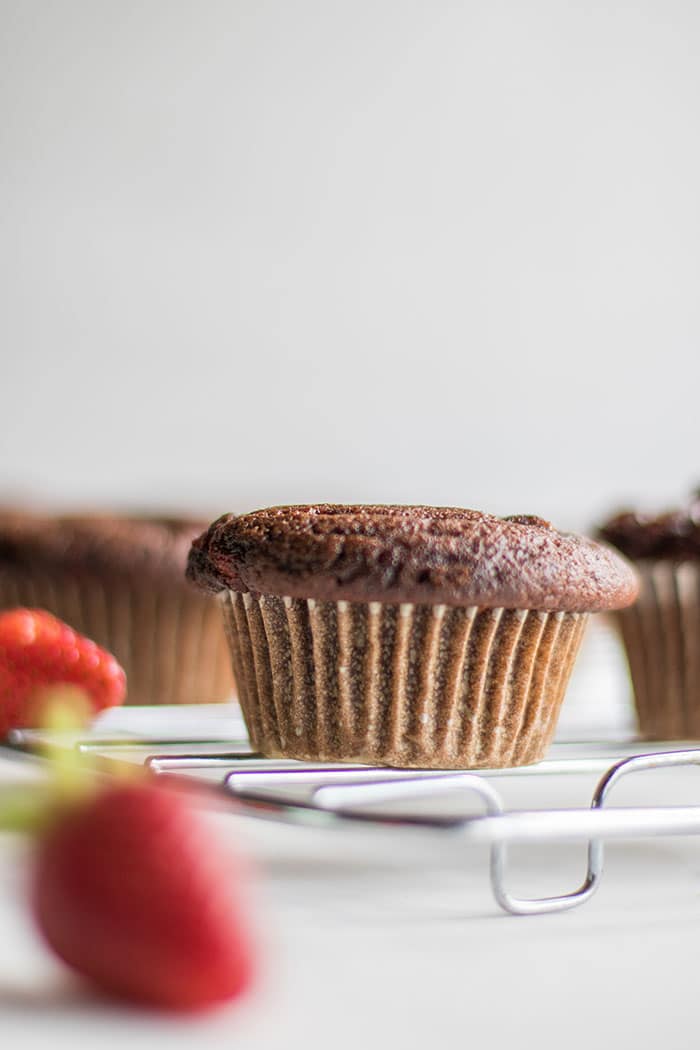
(331, 796)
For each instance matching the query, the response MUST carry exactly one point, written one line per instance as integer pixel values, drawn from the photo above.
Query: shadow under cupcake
(405, 636)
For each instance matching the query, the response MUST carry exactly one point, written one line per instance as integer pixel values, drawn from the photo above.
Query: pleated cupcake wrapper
(169, 642)
(661, 633)
(403, 685)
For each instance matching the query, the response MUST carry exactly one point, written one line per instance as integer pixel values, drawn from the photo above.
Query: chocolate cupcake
(661, 631)
(404, 636)
(120, 581)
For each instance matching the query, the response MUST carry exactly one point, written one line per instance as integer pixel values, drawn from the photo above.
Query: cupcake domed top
(425, 555)
(672, 535)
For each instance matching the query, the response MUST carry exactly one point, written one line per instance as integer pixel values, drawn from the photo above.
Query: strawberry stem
(24, 808)
(27, 807)
(62, 716)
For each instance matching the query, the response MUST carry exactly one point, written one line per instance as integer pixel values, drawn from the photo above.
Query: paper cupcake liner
(402, 685)
(169, 642)
(661, 634)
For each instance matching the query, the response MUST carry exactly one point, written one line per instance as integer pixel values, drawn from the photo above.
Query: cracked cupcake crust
(424, 555)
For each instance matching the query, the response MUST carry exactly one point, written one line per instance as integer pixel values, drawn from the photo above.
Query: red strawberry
(37, 653)
(133, 894)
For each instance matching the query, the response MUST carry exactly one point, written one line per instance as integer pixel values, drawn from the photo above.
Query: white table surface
(369, 944)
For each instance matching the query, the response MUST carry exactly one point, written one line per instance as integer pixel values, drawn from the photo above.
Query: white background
(261, 251)
(437, 251)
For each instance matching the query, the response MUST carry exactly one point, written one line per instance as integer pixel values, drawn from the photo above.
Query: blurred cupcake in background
(120, 581)
(661, 631)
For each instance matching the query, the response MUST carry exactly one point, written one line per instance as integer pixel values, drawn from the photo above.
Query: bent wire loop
(338, 801)
(333, 795)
